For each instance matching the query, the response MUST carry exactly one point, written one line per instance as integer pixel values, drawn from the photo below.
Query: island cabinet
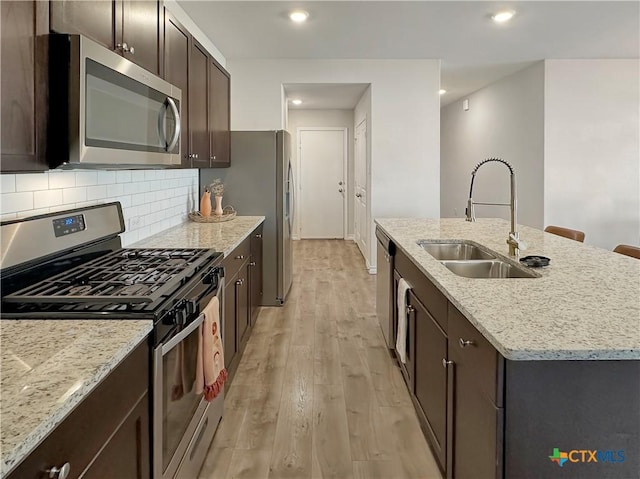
(425, 370)
(130, 28)
(241, 302)
(476, 413)
(106, 435)
(489, 417)
(24, 85)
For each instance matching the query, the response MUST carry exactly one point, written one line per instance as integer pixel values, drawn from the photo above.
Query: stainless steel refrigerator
(260, 182)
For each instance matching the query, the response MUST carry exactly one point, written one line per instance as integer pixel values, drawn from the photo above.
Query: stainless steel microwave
(107, 112)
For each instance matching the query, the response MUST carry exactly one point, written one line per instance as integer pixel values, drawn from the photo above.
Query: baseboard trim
(350, 238)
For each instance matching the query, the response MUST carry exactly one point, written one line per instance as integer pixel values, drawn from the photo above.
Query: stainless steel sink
(487, 269)
(455, 250)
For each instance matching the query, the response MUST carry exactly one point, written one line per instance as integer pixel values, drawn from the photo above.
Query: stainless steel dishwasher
(384, 287)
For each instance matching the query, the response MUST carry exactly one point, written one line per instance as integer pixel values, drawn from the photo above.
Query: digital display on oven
(69, 225)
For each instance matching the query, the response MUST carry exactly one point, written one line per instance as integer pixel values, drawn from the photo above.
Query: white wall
(152, 200)
(505, 120)
(198, 34)
(404, 122)
(592, 149)
(324, 118)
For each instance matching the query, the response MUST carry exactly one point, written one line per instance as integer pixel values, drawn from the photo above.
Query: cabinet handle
(240, 256)
(464, 343)
(410, 309)
(258, 235)
(213, 158)
(59, 472)
(446, 363)
(252, 263)
(240, 282)
(125, 48)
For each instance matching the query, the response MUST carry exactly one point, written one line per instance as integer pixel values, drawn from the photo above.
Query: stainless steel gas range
(70, 265)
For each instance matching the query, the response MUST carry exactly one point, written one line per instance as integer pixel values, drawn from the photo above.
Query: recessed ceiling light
(442, 91)
(296, 102)
(299, 16)
(504, 16)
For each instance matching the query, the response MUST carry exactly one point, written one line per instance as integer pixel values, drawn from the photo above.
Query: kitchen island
(505, 371)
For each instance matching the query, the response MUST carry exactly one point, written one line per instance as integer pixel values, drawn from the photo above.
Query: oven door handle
(173, 342)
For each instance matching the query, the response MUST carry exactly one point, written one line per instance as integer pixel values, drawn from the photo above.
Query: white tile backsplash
(123, 176)
(62, 179)
(8, 184)
(14, 202)
(32, 182)
(157, 199)
(47, 198)
(86, 178)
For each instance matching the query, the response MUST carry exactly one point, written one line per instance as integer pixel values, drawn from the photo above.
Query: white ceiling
(474, 50)
(318, 96)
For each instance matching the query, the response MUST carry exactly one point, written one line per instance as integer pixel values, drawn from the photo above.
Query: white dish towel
(401, 338)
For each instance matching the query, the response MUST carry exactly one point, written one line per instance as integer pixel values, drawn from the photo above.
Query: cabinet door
(23, 86)
(93, 19)
(219, 92)
(477, 424)
(176, 72)
(198, 106)
(242, 305)
(229, 328)
(140, 29)
(255, 283)
(407, 368)
(431, 377)
(127, 454)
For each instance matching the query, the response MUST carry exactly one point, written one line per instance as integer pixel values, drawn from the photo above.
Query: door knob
(59, 472)
(340, 183)
(358, 195)
(339, 190)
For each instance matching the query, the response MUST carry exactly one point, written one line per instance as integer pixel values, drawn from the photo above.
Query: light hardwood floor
(316, 394)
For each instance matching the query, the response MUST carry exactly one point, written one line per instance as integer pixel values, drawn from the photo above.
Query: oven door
(182, 424)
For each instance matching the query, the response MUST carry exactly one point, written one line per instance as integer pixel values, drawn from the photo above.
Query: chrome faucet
(514, 242)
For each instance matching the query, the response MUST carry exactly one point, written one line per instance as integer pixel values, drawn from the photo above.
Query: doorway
(361, 223)
(322, 160)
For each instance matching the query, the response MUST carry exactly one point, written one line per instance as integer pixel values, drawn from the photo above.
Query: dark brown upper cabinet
(130, 28)
(205, 86)
(219, 115)
(198, 107)
(23, 86)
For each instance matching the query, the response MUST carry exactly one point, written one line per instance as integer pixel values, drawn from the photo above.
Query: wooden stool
(628, 250)
(566, 232)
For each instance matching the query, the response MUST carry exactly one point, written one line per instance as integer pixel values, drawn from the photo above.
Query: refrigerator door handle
(292, 199)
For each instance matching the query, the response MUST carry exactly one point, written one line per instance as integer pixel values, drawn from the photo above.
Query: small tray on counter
(228, 213)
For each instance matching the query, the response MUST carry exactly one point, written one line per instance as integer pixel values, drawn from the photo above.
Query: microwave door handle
(162, 124)
(176, 116)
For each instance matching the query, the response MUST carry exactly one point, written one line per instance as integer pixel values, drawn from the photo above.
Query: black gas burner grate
(122, 278)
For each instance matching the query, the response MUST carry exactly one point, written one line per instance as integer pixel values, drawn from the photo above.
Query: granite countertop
(223, 237)
(48, 367)
(585, 305)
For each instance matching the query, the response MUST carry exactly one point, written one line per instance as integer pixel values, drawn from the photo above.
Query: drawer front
(236, 259)
(81, 436)
(473, 354)
(423, 288)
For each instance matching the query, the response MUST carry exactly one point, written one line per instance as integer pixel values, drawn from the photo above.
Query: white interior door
(322, 159)
(361, 229)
